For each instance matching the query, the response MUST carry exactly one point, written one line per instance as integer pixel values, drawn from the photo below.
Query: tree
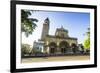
(27, 24)
(25, 49)
(87, 40)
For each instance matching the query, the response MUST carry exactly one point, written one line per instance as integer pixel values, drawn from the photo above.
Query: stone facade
(60, 43)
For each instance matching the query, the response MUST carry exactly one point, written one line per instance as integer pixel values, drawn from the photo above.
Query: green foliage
(87, 41)
(36, 50)
(25, 49)
(27, 24)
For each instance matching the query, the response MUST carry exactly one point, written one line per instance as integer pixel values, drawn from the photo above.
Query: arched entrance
(52, 47)
(63, 46)
(74, 47)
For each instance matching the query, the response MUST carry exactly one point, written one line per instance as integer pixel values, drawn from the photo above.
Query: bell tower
(45, 29)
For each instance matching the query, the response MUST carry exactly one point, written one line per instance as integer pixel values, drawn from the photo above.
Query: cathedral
(59, 43)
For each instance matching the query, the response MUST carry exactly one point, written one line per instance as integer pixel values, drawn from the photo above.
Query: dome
(62, 29)
(61, 32)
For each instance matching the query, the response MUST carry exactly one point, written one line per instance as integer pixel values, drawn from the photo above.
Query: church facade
(60, 43)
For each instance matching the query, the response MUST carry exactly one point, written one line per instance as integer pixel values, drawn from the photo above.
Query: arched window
(74, 47)
(63, 46)
(53, 47)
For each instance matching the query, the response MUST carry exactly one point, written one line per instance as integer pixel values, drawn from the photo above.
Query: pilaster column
(48, 49)
(58, 49)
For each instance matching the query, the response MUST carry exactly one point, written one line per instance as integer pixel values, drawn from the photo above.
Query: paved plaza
(58, 58)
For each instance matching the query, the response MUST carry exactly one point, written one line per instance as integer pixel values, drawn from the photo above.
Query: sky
(75, 22)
